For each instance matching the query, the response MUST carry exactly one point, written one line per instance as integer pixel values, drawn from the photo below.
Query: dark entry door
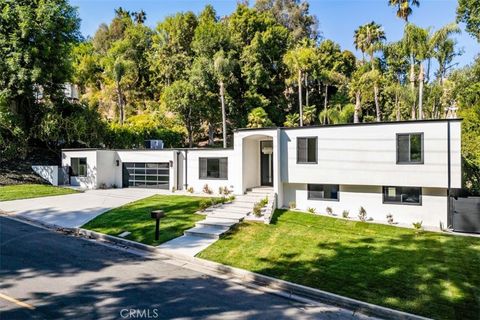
(466, 214)
(266, 163)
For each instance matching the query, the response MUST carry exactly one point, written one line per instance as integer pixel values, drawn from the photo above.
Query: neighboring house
(404, 168)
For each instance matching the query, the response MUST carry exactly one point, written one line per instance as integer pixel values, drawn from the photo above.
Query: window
(307, 150)
(79, 167)
(322, 191)
(214, 168)
(410, 148)
(402, 195)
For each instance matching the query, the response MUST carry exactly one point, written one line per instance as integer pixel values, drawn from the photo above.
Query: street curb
(105, 237)
(293, 290)
(246, 278)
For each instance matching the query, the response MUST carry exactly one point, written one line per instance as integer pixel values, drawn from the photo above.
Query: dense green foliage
(194, 78)
(135, 218)
(430, 274)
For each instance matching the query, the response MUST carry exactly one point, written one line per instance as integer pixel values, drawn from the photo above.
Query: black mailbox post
(157, 215)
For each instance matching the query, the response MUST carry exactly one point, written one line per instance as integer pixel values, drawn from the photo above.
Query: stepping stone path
(218, 221)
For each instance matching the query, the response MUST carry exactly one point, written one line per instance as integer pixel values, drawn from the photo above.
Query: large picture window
(410, 148)
(323, 191)
(307, 150)
(402, 195)
(79, 167)
(214, 168)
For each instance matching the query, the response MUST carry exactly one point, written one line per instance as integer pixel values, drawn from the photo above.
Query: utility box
(154, 144)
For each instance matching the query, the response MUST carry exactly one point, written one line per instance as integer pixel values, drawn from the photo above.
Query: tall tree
(294, 15)
(468, 12)
(223, 67)
(415, 44)
(369, 39)
(300, 60)
(36, 38)
(404, 7)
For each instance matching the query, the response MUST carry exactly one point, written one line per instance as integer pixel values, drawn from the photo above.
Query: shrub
(329, 211)
(345, 214)
(102, 185)
(362, 214)
(222, 200)
(390, 218)
(214, 201)
(204, 204)
(292, 205)
(264, 201)
(231, 198)
(114, 186)
(224, 190)
(174, 189)
(311, 210)
(257, 209)
(207, 190)
(418, 226)
(190, 189)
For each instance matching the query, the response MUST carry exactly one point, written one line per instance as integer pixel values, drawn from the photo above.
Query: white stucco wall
(49, 173)
(432, 211)
(193, 173)
(366, 155)
(106, 169)
(90, 180)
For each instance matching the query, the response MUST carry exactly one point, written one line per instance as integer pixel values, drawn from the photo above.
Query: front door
(266, 163)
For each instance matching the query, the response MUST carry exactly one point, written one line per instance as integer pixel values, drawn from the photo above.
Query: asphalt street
(48, 275)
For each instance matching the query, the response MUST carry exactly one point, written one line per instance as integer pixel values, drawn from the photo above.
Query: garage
(146, 175)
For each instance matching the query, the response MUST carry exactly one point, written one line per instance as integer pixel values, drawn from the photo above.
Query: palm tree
(119, 69)
(223, 67)
(404, 7)
(368, 39)
(139, 16)
(299, 61)
(292, 120)
(415, 45)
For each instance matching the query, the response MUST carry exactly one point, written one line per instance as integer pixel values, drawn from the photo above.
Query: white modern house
(404, 168)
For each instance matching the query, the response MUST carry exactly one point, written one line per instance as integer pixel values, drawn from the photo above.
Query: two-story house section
(405, 169)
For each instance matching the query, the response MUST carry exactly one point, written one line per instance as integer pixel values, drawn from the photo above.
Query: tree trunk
(306, 89)
(325, 104)
(224, 118)
(300, 96)
(357, 107)
(412, 86)
(377, 105)
(420, 92)
(211, 134)
(397, 106)
(120, 103)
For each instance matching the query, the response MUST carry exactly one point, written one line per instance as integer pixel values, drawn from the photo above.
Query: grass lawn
(26, 191)
(429, 274)
(135, 218)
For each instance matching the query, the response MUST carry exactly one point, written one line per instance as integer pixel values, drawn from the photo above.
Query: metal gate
(466, 214)
(146, 175)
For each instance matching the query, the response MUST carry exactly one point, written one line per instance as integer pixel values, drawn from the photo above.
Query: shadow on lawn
(428, 274)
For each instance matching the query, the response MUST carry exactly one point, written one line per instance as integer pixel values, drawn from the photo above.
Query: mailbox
(157, 214)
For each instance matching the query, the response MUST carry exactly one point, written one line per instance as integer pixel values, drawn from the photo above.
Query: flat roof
(164, 149)
(350, 124)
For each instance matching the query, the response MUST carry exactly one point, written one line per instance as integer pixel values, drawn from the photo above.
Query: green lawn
(26, 191)
(430, 274)
(135, 218)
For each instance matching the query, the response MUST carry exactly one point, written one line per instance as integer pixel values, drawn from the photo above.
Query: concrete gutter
(240, 276)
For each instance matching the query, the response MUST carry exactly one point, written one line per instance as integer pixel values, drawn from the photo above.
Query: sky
(337, 18)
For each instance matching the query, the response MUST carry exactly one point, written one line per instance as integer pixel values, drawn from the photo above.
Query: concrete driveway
(74, 210)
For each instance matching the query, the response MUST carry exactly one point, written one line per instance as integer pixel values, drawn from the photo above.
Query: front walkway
(218, 221)
(73, 210)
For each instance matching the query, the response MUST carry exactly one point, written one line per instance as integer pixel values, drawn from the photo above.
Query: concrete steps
(221, 218)
(207, 231)
(212, 221)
